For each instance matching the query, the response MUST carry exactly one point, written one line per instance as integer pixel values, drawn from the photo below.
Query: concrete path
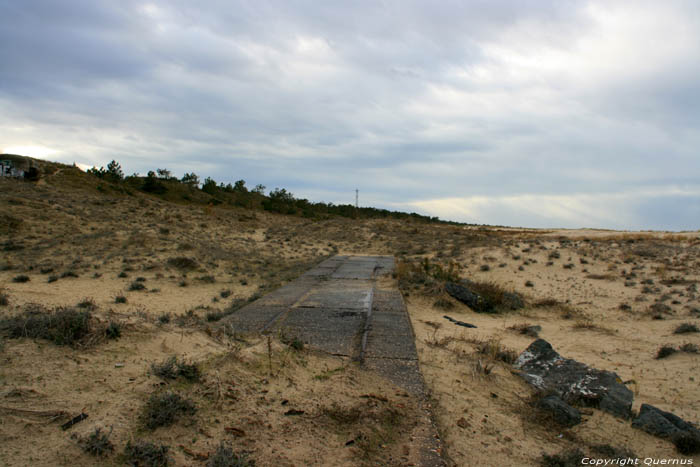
(344, 307)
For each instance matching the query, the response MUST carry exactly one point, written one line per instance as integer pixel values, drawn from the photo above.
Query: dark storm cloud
(513, 112)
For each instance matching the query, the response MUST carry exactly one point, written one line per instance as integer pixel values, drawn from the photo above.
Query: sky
(508, 112)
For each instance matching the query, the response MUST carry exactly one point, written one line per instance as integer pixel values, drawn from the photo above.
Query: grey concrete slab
(326, 297)
(336, 307)
(391, 324)
(404, 373)
(388, 300)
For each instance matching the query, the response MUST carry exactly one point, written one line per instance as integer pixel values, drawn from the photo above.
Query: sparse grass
(87, 304)
(172, 368)
(143, 453)
(689, 348)
(183, 263)
(22, 278)
(164, 409)
(589, 325)
(686, 328)
(376, 420)
(209, 279)
(164, 318)
(602, 277)
(526, 329)
(225, 456)
(493, 349)
(62, 326)
(97, 444)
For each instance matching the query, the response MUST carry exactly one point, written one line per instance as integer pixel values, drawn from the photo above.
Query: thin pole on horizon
(357, 197)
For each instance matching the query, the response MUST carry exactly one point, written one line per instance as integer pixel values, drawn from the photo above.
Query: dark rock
(562, 412)
(662, 424)
(459, 323)
(574, 382)
(473, 300)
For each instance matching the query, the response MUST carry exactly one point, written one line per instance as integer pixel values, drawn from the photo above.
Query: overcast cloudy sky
(531, 113)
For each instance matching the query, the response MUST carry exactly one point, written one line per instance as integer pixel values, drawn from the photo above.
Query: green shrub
(21, 278)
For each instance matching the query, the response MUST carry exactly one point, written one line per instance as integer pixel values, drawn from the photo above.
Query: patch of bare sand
(579, 310)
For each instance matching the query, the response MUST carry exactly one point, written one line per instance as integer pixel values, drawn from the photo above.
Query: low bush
(143, 453)
(114, 330)
(63, 326)
(225, 456)
(97, 444)
(163, 409)
(686, 328)
(665, 351)
(183, 263)
(172, 368)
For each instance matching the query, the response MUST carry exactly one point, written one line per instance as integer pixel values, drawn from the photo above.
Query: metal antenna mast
(357, 197)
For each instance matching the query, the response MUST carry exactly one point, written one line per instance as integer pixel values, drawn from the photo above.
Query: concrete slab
(337, 307)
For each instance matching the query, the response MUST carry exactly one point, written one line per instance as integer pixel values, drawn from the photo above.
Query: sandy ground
(619, 301)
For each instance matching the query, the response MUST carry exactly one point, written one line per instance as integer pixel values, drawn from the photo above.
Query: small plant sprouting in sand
(87, 304)
(686, 328)
(21, 278)
(665, 351)
(164, 318)
(113, 330)
(97, 444)
(136, 286)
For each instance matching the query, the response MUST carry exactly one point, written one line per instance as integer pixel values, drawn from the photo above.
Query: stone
(662, 424)
(473, 300)
(562, 412)
(574, 382)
